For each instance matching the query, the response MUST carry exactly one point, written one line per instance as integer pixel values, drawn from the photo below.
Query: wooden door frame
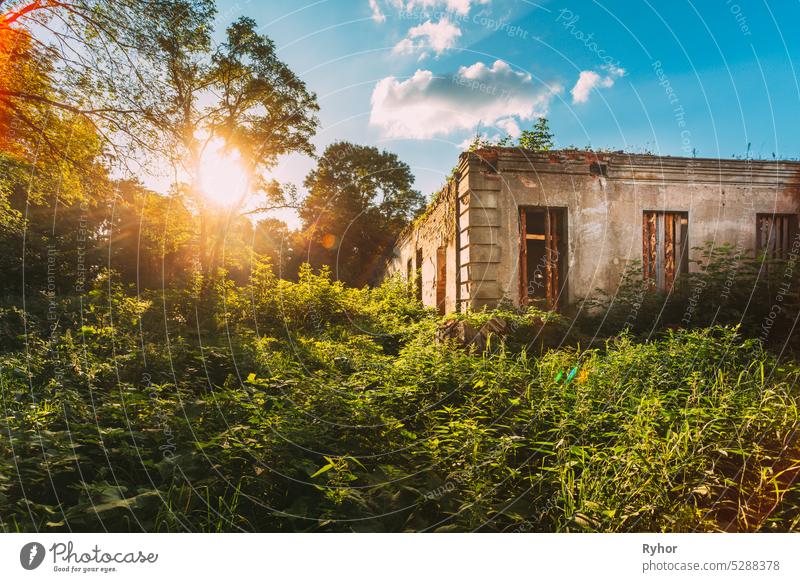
(523, 257)
(553, 216)
(441, 280)
(665, 247)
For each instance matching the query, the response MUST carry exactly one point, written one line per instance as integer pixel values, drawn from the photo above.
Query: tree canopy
(359, 198)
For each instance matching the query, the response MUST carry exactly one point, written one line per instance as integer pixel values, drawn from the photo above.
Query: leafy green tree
(359, 198)
(96, 53)
(539, 138)
(53, 184)
(245, 96)
(264, 109)
(145, 76)
(151, 237)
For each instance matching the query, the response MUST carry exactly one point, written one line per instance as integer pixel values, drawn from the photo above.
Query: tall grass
(310, 406)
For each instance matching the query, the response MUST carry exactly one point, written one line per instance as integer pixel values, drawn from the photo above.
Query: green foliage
(539, 138)
(313, 406)
(359, 199)
(264, 108)
(527, 328)
(727, 287)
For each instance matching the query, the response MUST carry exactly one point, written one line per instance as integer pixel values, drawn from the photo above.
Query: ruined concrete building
(549, 228)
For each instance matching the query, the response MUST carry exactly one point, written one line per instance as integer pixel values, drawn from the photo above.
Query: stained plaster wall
(604, 205)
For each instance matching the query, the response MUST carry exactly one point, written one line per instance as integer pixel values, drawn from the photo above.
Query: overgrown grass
(310, 406)
(726, 286)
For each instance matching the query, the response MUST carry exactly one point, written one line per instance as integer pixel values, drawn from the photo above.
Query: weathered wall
(721, 197)
(434, 230)
(604, 214)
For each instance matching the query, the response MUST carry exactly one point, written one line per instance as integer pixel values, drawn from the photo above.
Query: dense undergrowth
(310, 406)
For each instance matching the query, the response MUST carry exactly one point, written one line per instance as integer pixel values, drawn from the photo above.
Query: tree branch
(260, 209)
(10, 18)
(42, 134)
(65, 106)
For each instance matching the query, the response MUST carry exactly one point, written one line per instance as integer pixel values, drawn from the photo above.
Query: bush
(311, 406)
(760, 295)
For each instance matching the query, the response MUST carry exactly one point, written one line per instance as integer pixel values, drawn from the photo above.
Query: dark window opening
(543, 255)
(598, 169)
(775, 235)
(665, 237)
(418, 279)
(441, 279)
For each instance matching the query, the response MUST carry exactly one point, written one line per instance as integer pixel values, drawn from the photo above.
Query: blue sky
(421, 77)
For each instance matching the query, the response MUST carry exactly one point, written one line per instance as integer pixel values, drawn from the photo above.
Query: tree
(264, 110)
(53, 184)
(150, 237)
(539, 138)
(246, 97)
(90, 84)
(95, 52)
(68, 137)
(359, 198)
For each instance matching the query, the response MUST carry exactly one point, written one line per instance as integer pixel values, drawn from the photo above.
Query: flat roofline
(622, 160)
(620, 155)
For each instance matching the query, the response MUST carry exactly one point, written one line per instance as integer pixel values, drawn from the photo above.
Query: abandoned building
(550, 228)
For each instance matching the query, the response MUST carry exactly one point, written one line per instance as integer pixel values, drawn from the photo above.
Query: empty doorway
(543, 244)
(441, 280)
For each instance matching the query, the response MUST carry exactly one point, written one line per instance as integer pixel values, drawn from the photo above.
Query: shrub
(725, 288)
(312, 406)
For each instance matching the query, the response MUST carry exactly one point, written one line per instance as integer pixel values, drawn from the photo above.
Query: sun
(223, 178)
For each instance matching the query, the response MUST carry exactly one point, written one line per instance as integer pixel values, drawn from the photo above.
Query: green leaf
(324, 468)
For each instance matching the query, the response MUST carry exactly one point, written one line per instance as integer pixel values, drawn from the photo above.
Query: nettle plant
(313, 406)
(726, 287)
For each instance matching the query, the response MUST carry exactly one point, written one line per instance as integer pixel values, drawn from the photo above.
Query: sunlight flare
(223, 177)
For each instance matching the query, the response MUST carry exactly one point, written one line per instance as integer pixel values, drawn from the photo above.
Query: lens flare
(223, 178)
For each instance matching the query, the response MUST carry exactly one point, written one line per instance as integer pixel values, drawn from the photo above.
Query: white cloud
(377, 15)
(439, 37)
(590, 80)
(510, 126)
(461, 7)
(587, 81)
(426, 105)
(404, 47)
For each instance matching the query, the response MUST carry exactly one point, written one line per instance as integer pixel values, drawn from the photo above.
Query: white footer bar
(388, 557)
